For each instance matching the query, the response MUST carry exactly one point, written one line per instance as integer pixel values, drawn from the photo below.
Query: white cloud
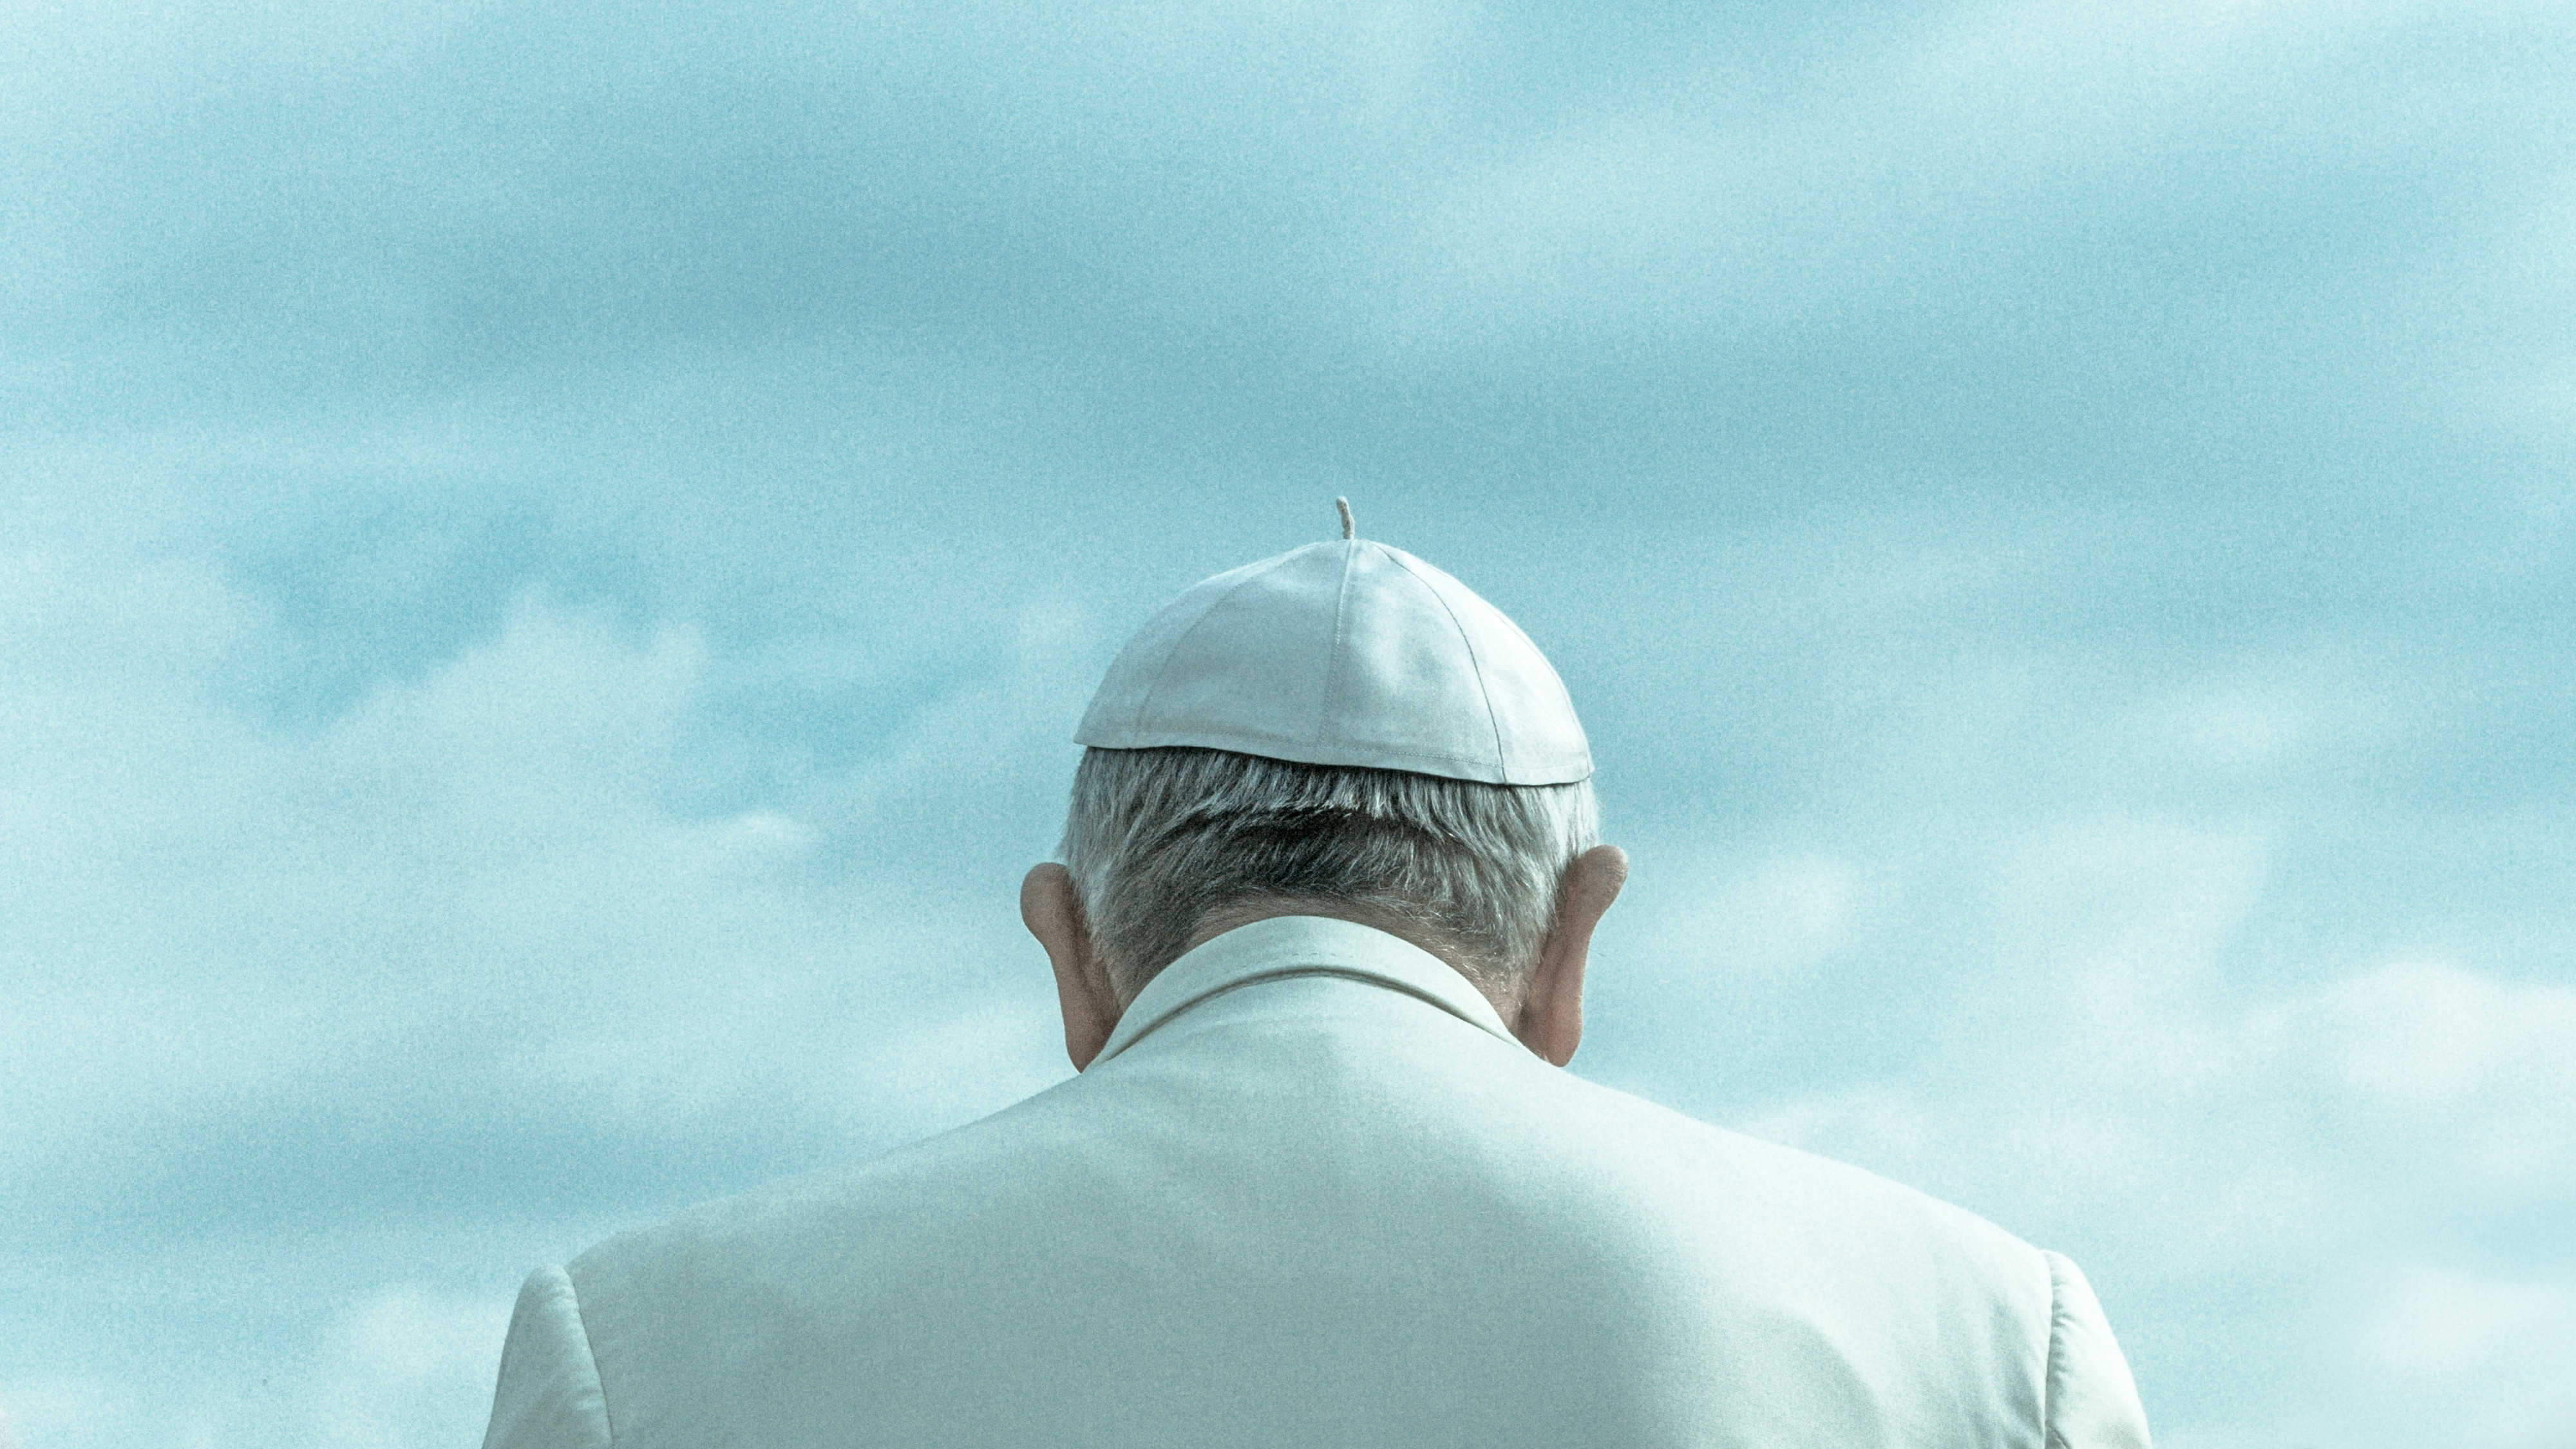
(2487, 1354)
(485, 873)
(2433, 1322)
(1736, 919)
(2241, 728)
(473, 894)
(180, 865)
(2464, 1075)
(407, 1369)
(2116, 925)
(2392, 1081)
(1876, 175)
(69, 1412)
(2298, 1134)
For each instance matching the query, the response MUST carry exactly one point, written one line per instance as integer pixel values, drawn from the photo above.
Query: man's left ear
(1551, 1022)
(1052, 910)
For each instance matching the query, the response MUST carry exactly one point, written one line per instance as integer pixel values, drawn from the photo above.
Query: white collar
(1301, 946)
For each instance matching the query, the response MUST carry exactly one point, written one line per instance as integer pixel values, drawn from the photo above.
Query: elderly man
(1319, 938)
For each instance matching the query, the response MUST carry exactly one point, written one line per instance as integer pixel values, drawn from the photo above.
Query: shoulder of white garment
(549, 1395)
(687, 1296)
(2092, 1400)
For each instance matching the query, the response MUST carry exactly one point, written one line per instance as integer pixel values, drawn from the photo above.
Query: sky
(549, 558)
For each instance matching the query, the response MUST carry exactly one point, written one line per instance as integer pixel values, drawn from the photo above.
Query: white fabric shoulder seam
(2050, 1369)
(590, 1355)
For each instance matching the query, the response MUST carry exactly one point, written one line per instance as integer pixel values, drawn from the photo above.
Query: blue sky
(548, 561)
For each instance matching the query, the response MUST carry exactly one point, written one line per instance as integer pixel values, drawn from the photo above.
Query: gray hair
(1159, 841)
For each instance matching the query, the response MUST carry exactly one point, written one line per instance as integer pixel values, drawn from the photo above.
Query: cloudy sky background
(548, 557)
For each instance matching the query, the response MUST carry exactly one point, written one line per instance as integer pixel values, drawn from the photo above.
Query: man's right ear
(1551, 1021)
(1052, 910)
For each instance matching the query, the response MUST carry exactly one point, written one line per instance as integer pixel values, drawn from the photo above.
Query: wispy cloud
(2325, 1148)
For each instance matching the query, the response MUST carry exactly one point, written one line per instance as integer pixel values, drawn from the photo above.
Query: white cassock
(1314, 1193)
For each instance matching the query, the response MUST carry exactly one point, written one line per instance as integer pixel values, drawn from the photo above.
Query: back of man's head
(1168, 846)
(1340, 730)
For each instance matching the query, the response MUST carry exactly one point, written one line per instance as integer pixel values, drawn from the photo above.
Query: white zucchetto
(1344, 653)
